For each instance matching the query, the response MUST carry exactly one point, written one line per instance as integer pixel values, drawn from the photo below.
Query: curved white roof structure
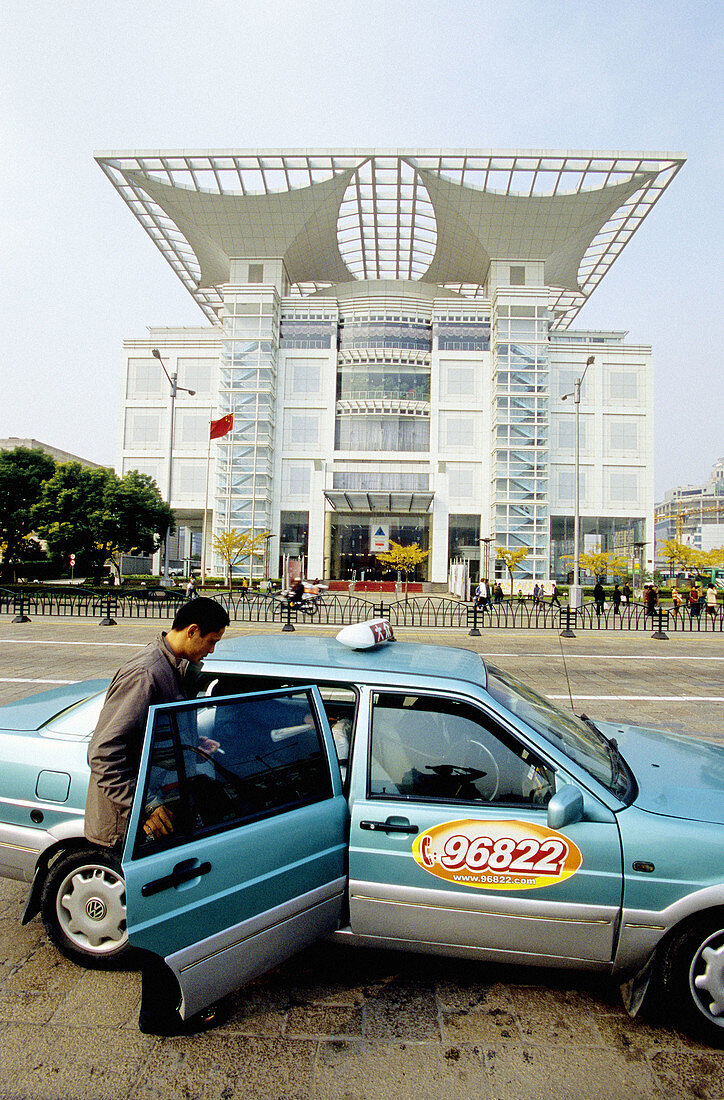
(433, 216)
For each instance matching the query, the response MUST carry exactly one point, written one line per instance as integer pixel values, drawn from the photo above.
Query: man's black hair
(207, 614)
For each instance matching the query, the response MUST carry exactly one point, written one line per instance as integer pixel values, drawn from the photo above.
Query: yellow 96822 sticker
(497, 855)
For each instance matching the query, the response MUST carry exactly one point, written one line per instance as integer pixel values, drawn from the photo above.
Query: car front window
(579, 741)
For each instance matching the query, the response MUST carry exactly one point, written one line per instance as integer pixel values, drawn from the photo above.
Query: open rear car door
(254, 866)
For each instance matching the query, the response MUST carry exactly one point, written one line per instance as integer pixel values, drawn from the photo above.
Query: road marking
(28, 641)
(646, 698)
(23, 680)
(609, 656)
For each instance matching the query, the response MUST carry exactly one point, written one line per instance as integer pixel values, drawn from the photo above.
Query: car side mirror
(565, 807)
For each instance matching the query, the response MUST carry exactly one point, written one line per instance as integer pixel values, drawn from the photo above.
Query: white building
(392, 333)
(694, 514)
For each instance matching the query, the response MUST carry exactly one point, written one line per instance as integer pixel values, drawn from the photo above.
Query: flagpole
(206, 507)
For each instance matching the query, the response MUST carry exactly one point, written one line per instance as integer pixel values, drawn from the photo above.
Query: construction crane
(684, 513)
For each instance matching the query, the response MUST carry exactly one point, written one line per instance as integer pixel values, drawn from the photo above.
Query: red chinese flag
(221, 427)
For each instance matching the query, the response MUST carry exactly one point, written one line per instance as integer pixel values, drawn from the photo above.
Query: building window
(304, 376)
(305, 333)
(298, 479)
(145, 378)
(623, 486)
(303, 428)
(458, 336)
(293, 533)
(189, 478)
(197, 374)
(461, 481)
(517, 275)
(143, 428)
(460, 380)
(458, 432)
(623, 385)
(192, 426)
(256, 273)
(382, 433)
(623, 434)
(567, 433)
(371, 480)
(151, 467)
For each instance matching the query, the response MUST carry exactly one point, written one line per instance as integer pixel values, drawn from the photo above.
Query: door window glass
(222, 763)
(427, 747)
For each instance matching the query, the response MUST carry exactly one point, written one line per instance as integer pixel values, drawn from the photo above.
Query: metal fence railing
(331, 609)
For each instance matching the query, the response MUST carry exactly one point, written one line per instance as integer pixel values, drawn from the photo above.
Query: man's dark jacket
(155, 675)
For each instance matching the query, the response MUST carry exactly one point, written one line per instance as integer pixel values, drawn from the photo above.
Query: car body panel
(266, 885)
(605, 914)
(675, 778)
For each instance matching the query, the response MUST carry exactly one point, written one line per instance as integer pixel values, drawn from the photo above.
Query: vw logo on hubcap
(95, 909)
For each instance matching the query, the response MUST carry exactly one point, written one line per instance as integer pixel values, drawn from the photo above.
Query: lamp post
(485, 556)
(173, 383)
(575, 592)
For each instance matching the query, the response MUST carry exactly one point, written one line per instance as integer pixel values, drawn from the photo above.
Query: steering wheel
(473, 754)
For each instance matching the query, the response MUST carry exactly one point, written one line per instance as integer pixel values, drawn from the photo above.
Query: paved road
(357, 1024)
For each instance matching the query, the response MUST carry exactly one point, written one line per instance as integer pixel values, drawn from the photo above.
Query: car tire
(83, 906)
(691, 975)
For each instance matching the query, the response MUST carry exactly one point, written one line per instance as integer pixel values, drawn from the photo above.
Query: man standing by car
(161, 673)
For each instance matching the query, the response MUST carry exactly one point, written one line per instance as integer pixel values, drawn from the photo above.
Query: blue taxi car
(402, 796)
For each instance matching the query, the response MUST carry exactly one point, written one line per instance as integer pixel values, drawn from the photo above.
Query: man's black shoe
(174, 1025)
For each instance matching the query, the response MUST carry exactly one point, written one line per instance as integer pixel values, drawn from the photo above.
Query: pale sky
(79, 273)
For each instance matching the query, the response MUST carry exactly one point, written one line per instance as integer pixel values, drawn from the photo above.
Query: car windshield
(580, 741)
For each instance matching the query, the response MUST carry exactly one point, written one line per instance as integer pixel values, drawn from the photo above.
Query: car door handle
(179, 875)
(389, 826)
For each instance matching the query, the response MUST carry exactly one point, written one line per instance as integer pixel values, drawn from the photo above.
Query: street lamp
(485, 556)
(575, 592)
(173, 383)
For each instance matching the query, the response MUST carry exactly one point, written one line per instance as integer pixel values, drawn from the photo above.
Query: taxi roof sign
(367, 635)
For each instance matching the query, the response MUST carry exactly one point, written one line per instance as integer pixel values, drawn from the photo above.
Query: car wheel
(692, 976)
(83, 905)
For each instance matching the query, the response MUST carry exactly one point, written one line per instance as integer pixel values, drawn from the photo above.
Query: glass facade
(521, 432)
(381, 332)
(248, 389)
(350, 544)
(462, 336)
(382, 433)
(371, 381)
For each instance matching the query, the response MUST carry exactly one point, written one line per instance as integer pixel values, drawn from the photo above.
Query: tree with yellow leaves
(404, 559)
(601, 564)
(235, 545)
(512, 559)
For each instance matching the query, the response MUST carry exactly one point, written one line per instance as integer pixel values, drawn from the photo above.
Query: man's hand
(159, 823)
(209, 746)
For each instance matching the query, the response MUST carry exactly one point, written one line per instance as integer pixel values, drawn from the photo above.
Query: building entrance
(350, 557)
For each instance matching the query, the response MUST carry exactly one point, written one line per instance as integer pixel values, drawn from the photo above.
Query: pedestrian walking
(617, 597)
(554, 595)
(711, 600)
(498, 593)
(191, 589)
(677, 601)
(599, 596)
(694, 607)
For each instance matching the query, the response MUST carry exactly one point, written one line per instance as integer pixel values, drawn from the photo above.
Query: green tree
(404, 559)
(235, 545)
(23, 472)
(512, 559)
(97, 515)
